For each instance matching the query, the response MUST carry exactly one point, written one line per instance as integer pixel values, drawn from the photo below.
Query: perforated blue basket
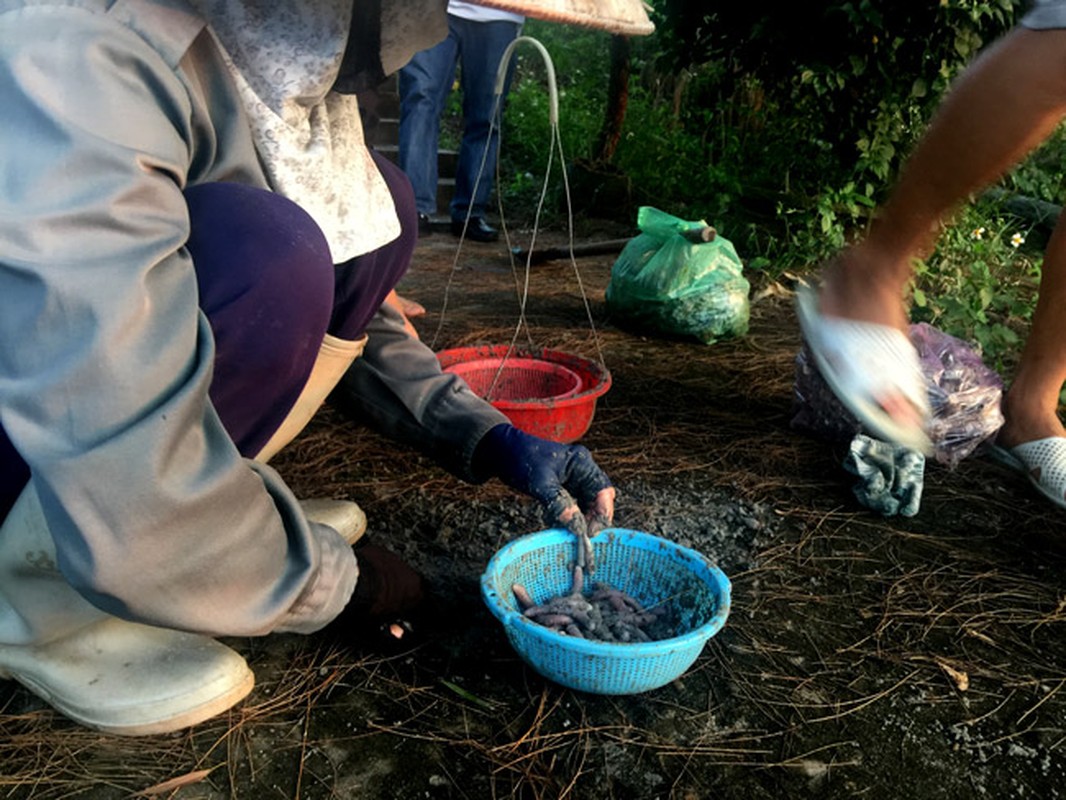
(649, 568)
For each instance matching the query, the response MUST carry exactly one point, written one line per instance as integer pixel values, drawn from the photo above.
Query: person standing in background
(477, 37)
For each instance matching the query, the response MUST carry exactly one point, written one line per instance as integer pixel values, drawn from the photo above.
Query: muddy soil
(867, 657)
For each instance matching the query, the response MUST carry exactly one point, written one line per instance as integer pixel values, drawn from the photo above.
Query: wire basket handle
(522, 285)
(549, 67)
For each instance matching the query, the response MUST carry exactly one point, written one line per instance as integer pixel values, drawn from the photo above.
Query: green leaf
(463, 693)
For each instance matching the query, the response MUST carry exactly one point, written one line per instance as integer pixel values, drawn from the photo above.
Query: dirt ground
(866, 657)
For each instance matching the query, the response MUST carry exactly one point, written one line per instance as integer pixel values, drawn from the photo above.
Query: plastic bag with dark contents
(964, 397)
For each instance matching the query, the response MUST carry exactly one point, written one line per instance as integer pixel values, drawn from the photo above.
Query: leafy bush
(980, 283)
(787, 141)
(769, 134)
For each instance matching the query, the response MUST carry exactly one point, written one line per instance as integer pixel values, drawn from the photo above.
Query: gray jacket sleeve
(398, 387)
(106, 359)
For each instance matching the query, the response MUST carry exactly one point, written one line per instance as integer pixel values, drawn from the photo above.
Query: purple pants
(270, 291)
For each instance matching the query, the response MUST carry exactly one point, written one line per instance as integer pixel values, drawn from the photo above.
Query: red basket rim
(595, 378)
(561, 372)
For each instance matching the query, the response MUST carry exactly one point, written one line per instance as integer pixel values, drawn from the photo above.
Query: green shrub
(786, 142)
(735, 117)
(980, 283)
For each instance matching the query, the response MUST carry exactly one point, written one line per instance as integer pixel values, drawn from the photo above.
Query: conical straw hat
(628, 17)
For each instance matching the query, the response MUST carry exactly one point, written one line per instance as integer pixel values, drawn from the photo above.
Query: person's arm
(106, 359)
(398, 387)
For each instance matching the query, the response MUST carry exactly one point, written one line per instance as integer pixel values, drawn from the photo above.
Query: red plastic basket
(520, 379)
(535, 388)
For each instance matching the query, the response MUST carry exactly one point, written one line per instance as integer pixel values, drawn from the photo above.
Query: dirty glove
(890, 476)
(387, 586)
(386, 601)
(564, 478)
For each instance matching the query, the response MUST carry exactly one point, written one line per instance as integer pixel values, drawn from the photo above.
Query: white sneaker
(344, 516)
(130, 679)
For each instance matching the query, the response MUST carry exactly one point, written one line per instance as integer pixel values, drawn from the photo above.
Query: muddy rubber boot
(334, 357)
(344, 516)
(101, 671)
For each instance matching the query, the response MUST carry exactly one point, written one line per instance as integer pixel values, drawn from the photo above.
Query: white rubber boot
(334, 357)
(134, 680)
(103, 672)
(344, 516)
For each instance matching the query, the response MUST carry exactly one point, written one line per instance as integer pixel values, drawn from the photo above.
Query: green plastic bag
(666, 283)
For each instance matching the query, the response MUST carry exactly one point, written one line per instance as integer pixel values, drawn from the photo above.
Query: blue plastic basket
(649, 568)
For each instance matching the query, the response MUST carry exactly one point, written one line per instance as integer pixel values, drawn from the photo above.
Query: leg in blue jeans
(424, 84)
(481, 48)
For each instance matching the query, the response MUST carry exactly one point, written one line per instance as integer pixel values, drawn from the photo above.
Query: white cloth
(479, 13)
(1045, 15)
(284, 59)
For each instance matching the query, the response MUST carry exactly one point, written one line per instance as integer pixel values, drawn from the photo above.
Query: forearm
(399, 388)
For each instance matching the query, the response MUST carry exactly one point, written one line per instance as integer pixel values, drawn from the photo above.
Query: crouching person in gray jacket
(195, 244)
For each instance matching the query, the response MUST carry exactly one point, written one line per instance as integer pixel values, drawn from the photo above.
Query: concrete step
(445, 190)
(384, 136)
(390, 151)
(388, 105)
(386, 130)
(445, 179)
(447, 161)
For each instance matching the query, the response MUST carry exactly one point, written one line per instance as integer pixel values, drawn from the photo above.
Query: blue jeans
(425, 84)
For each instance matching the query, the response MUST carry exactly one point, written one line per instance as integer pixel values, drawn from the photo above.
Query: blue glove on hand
(564, 478)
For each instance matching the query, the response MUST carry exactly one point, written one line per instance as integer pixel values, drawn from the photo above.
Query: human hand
(565, 479)
(388, 587)
(407, 308)
(387, 605)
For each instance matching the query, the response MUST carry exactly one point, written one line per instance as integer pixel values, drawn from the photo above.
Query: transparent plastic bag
(667, 283)
(964, 396)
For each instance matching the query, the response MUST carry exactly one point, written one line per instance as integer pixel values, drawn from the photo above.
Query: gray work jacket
(111, 109)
